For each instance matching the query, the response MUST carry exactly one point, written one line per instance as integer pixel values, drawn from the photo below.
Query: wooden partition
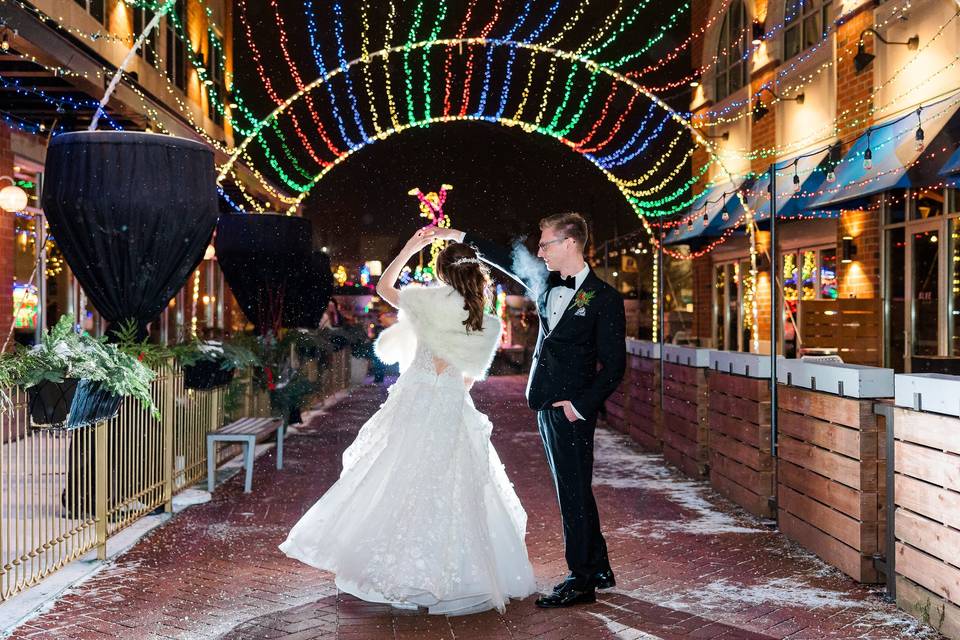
(685, 406)
(741, 461)
(852, 326)
(831, 478)
(927, 499)
(634, 409)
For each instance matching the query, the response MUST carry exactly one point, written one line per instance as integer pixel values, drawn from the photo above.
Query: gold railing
(65, 493)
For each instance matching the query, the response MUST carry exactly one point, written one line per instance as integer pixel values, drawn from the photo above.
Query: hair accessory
(460, 261)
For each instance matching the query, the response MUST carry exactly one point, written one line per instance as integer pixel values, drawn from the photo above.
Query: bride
(423, 514)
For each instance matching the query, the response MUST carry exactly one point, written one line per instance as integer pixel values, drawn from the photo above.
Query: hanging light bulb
(831, 175)
(706, 220)
(725, 217)
(919, 135)
(5, 43)
(868, 159)
(796, 178)
(690, 224)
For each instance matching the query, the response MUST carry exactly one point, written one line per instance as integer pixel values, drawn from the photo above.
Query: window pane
(720, 278)
(811, 30)
(808, 275)
(894, 204)
(928, 204)
(791, 11)
(926, 252)
(955, 287)
(828, 274)
(896, 294)
(791, 41)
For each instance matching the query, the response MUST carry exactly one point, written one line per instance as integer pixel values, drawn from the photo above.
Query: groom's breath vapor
(529, 267)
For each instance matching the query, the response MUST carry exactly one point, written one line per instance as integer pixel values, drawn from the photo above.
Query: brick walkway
(689, 565)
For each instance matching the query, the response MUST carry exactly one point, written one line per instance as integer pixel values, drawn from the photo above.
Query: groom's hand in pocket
(568, 410)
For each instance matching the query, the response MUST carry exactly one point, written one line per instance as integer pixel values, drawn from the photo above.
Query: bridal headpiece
(460, 261)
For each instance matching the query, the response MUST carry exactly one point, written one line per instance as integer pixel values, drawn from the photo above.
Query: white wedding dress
(423, 513)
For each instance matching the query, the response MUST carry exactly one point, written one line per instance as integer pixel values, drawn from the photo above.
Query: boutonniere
(582, 299)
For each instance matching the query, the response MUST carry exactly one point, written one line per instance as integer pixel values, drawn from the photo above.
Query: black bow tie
(556, 280)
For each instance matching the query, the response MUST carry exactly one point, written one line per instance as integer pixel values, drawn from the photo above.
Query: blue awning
(952, 165)
(811, 171)
(895, 158)
(710, 203)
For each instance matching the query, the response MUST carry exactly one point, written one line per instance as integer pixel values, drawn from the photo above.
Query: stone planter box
(741, 460)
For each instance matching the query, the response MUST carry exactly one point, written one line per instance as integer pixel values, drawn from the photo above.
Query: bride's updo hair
(459, 267)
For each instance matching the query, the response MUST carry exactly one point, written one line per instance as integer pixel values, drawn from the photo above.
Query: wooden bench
(249, 432)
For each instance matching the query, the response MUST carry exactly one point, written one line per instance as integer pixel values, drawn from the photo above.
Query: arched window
(806, 23)
(731, 50)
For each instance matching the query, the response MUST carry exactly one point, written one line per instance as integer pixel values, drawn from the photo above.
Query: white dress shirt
(558, 299)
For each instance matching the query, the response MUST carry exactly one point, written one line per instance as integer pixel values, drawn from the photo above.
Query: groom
(582, 326)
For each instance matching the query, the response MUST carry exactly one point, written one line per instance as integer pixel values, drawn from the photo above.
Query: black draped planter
(263, 257)
(133, 214)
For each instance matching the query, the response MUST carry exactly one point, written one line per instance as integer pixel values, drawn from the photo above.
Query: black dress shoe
(600, 580)
(604, 579)
(567, 598)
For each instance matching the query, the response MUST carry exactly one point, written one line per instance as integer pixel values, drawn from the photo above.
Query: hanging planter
(211, 363)
(71, 404)
(73, 379)
(206, 374)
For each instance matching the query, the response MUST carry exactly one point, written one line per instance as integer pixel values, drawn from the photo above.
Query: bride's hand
(419, 240)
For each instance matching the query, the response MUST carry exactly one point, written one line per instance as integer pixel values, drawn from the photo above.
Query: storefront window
(828, 274)
(896, 295)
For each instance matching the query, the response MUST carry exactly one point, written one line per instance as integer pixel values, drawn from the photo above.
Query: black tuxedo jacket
(583, 357)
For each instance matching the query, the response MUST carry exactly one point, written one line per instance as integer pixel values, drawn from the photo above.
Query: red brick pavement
(689, 564)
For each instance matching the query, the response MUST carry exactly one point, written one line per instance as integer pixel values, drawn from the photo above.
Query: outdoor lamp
(848, 250)
(760, 110)
(757, 33)
(12, 197)
(862, 59)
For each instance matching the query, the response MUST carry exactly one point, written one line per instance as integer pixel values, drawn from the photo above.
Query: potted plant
(212, 363)
(73, 379)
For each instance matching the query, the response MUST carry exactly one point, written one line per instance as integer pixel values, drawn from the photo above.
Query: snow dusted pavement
(689, 564)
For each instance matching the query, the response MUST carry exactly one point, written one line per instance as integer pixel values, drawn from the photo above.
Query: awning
(951, 168)
(712, 203)
(811, 171)
(894, 156)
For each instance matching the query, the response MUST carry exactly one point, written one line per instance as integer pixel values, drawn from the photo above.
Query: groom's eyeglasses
(544, 245)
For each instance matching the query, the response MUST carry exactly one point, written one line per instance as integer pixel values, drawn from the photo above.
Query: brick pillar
(7, 244)
(861, 278)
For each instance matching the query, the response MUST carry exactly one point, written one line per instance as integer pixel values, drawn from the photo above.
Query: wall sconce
(12, 197)
(862, 59)
(760, 109)
(757, 33)
(848, 250)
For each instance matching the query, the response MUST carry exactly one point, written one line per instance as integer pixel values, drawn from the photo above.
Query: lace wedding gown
(423, 513)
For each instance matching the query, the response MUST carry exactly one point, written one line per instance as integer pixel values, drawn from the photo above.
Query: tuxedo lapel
(542, 309)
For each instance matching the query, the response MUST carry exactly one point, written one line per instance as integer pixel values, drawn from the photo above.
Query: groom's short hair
(569, 225)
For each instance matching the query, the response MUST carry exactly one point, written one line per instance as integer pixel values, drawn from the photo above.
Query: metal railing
(65, 493)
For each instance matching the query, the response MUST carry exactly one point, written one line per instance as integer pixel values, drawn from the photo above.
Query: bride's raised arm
(386, 287)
